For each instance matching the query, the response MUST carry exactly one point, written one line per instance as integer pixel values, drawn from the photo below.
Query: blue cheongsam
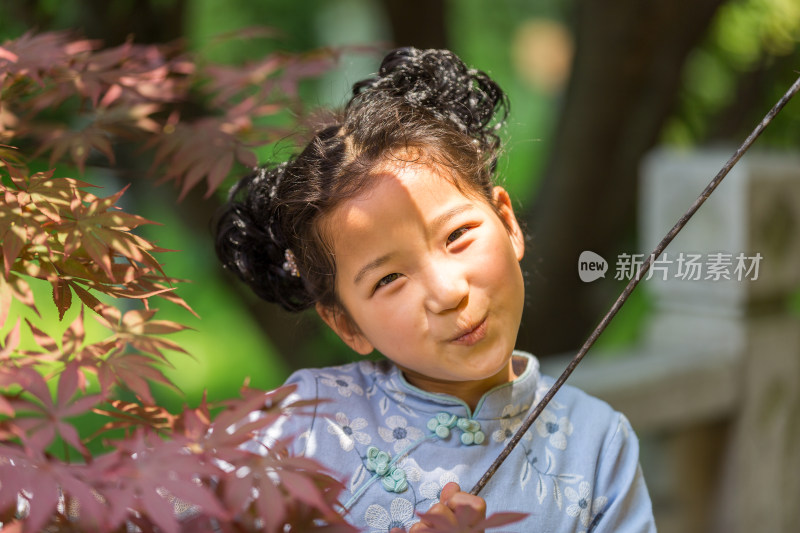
(394, 446)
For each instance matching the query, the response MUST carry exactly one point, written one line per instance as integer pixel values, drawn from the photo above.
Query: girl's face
(430, 278)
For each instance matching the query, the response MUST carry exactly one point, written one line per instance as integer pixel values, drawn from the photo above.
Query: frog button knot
(392, 477)
(441, 424)
(378, 461)
(472, 433)
(395, 480)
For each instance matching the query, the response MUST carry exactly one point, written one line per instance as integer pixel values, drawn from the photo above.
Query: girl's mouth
(473, 336)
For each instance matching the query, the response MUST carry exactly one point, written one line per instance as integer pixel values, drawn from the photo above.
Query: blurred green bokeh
(226, 343)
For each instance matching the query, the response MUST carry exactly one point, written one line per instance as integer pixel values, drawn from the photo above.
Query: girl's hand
(456, 512)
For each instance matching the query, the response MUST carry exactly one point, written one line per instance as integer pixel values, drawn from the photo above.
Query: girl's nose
(447, 287)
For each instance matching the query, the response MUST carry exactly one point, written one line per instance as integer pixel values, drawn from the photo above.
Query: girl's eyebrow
(371, 266)
(442, 219)
(436, 223)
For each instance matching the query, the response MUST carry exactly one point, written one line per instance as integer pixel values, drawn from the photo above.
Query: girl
(388, 224)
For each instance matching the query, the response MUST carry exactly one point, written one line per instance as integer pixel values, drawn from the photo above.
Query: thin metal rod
(531, 418)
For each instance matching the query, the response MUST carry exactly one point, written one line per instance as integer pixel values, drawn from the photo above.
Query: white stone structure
(713, 387)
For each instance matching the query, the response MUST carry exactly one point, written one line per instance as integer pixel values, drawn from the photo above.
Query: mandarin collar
(501, 401)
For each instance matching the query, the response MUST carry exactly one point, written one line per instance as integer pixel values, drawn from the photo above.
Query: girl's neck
(470, 392)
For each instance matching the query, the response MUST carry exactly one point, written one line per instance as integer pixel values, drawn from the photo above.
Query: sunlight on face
(429, 277)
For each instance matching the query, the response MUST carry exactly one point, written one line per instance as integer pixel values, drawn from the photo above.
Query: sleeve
(620, 500)
(296, 424)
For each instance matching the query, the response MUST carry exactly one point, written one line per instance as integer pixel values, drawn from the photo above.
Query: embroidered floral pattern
(395, 393)
(386, 441)
(366, 367)
(349, 432)
(541, 391)
(548, 476)
(399, 433)
(510, 421)
(583, 506)
(343, 383)
(555, 429)
(411, 468)
(400, 514)
(432, 490)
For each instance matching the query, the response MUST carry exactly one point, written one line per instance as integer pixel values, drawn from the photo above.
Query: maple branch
(632, 285)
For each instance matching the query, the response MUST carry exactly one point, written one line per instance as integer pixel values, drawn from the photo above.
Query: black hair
(423, 103)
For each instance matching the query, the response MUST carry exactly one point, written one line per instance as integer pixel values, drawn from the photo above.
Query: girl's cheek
(491, 253)
(389, 306)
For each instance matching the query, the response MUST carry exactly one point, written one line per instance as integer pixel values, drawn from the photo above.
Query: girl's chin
(487, 378)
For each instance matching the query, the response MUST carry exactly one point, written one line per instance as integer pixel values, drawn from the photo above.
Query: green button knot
(378, 461)
(441, 424)
(472, 433)
(393, 478)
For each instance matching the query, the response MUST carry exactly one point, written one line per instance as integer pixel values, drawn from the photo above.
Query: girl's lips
(472, 336)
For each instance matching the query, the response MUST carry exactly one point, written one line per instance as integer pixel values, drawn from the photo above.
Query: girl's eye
(456, 234)
(385, 280)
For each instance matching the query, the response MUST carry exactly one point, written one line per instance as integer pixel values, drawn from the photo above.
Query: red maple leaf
(151, 475)
(44, 482)
(34, 55)
(41, 418)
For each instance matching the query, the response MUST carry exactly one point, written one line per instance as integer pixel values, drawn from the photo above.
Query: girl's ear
(341, 324)
(503, 204)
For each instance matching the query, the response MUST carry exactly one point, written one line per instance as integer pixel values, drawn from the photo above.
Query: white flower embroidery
(510, 421)
(348, 432)
(583, 506)
(411, 468)
(399, 432)
(343, 383)
(432, 490)
(393, 389)
(557, 429)
(400, 514)
(366, 367)
(541, 391)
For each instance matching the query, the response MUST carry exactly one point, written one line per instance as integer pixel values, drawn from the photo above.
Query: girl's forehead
(406, 185)
(397, 194)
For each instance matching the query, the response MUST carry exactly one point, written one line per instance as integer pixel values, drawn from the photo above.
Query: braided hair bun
(440, 83)
(251, 245)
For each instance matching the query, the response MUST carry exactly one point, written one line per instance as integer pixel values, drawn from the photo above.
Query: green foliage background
(226, 343)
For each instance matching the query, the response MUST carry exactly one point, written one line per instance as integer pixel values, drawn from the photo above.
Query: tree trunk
(625, 78)
(419, 23)
(148, 21)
